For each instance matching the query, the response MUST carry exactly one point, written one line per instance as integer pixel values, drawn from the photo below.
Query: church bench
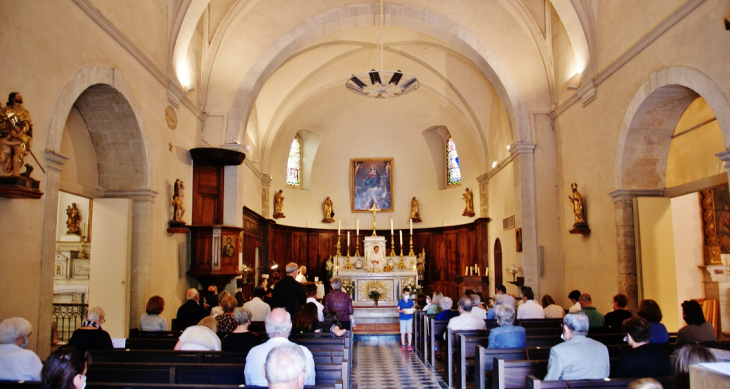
(614, 351)
(484, 362)
(137, 333)
(435, 338)
(420, 339)
(542, 340)
(135, 385)
(513, 374)
(327, 342)
(453, 349)
(543, 331)
(467, 353)
(175, 373)
(157, 356)
(539, 323)
(608, 383)
(150, 343)
(21, 384)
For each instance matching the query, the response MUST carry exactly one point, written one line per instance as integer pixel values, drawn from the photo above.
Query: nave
(380, 363)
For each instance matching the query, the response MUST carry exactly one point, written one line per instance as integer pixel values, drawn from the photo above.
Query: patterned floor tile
(384, 365)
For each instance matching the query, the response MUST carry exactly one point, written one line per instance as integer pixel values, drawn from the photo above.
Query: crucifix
(374, 209)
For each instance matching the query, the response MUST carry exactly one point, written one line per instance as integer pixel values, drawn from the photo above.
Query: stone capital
(622, 195)
(146, 195)
(265, 181)
(523, 148)
(174, 94)
(55, 160)
(724, 156)
(483, 179)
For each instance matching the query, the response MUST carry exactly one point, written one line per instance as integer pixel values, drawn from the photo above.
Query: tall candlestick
(339, 225)
(400, 232)
(357, 231)
(391, 226)
(348, 241)
(411, 221)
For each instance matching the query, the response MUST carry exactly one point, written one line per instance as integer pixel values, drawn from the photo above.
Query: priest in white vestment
(376, 260)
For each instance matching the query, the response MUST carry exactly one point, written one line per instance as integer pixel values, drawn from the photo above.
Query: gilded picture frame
(371, 181)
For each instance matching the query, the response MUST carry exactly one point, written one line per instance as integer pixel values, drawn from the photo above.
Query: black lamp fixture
(370, 84)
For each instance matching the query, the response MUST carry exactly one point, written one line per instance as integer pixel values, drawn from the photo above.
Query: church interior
(558, 144)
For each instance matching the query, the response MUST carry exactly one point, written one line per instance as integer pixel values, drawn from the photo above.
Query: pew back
(484, 363)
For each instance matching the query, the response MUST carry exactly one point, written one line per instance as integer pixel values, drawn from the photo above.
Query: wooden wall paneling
(207, 193)
(451, 266)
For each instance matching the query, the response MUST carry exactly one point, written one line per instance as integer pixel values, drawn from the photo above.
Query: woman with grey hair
(16, 363)
(241, 339)
(340, 302)
(506, 335)
(446, 313)
(90, 336)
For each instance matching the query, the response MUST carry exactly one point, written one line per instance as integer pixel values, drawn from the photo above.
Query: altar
(386, 273)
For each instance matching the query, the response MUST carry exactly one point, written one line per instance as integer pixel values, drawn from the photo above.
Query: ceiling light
(370, 84)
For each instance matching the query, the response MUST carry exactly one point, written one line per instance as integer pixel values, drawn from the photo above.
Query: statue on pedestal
(16, 135)
(328, 211)
(580, 226)
(468, 197)
(178, 206)
(279, 204)
(74, 217)
(415, 215)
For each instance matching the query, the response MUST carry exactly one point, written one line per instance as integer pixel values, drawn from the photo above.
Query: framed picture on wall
(371, 182)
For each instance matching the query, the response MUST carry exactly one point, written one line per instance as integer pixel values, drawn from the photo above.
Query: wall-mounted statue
(74, 218)
(580, 226)
(415, 215)
(329, 212)
(468, 197)
(16, 135)
(178, 204)
(279, 204)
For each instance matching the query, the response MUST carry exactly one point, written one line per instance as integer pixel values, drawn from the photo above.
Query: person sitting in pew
(645, 383)
(465, 320)
(476, 309)
(500, 290)
(151, 320)
(17, 363)
(90, 335)
(278, 327)
(285, 367)
(529, 309)
(615, 318)
(550, 309)
(332, 324)
(644, 359)
(574, 296)
(595, 318)
(578, 357)
(649, 310)
(446, 312)
(434, 308)
(259, 309)
(226, 322)
(697, 329)
(506, 335)
(241, 339)
(66, 368)
(190, 313)
(306, 321)
(684, 357)
(201, 337)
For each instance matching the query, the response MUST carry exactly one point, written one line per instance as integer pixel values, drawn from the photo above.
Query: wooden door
(498, 263)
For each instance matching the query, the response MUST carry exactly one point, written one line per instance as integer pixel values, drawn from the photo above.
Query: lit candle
(400, 232)
(348, 239)
(466, 271)
(391, 226)
(358, 227)
(339, 225)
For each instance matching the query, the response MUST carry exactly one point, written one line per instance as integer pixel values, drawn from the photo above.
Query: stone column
(54, 164)
(483, 181)
(525, 210)
(623, 200)
(142, 212)
(233, 190)
(265, 198)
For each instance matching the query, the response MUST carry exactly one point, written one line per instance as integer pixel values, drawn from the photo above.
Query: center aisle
(380, 363)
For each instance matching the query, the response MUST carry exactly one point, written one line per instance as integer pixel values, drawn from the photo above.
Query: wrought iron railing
(67, 318)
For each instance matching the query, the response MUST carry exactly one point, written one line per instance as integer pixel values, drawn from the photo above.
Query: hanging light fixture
(373, 83)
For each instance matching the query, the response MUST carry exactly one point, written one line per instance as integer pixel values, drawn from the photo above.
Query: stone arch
(116, 128)
(578, 35)
(650, 119)
(403, 16)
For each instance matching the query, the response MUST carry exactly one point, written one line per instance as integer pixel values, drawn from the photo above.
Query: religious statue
(279, 204)
(421, 262)
(178, 205)
(468, 197)
(415, 216)
(328, 211)
(329, 268)
(74, 218)
(16, 135)
(375, 259)
(580, 225)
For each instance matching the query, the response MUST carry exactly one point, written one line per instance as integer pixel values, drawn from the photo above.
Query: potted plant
(375, 296)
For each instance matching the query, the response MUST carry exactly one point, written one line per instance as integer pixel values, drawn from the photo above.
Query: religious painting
(229, 250)
(371, 182)
(722, 216)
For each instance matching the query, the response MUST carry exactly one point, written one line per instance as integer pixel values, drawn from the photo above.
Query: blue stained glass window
(453, 169)
(294, 163)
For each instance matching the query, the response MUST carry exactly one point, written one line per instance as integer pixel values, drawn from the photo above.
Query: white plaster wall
(501, 206)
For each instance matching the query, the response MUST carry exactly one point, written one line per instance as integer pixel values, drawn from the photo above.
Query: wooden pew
(608, 383)
(21, 384)
(150, 343)
(484, 363)
(452, 347)
(539, 323)
(436, 330)
(175, 373)
(467, 352)
(137, 333)
(513, 374)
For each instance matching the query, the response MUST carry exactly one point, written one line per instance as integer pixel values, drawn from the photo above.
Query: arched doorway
(498, 263)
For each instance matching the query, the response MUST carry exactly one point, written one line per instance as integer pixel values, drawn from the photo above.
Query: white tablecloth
(320, 291)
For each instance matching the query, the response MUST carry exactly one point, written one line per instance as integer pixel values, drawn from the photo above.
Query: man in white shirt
(506, 299)
(286, 367)
(302, 276)
(574, 296)
(476, 310)
(529, 309)
(278, 327)
(311, 290)
(259, 309)
(465, 320)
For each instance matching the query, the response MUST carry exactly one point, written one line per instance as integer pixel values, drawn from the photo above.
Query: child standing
(406, 319)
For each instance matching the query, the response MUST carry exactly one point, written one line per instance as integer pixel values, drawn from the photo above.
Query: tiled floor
(380, 363)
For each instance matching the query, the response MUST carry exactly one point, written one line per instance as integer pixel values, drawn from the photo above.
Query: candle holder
(357, 245)
(338, 247)
(411, 253)
(401, 251)
(392, 246)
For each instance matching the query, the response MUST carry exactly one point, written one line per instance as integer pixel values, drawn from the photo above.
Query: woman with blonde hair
(201, 337)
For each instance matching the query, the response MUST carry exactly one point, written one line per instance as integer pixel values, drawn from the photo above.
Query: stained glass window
(293, 165)
(453, 169)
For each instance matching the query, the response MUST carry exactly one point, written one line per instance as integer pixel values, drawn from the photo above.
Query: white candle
(358, 227)
(391, 226)
(348, 239)
(339, 225)
(411, 221)
(400, 232)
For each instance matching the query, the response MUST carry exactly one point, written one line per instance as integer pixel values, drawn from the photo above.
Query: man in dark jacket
(288, 293)
(644, 359)
(190, 313)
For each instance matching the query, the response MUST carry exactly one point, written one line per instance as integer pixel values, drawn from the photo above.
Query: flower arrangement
(347, 288)
(412, 286)
(512, 270)
(244, 268)
(374, 295)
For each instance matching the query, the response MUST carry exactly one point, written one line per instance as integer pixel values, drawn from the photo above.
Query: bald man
(190, 313)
